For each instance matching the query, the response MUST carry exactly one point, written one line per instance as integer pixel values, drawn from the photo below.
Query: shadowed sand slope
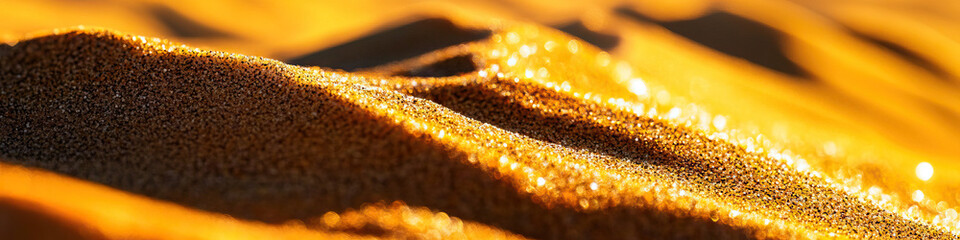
(259, 140)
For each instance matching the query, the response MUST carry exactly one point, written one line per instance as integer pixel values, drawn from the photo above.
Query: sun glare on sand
(469, 119)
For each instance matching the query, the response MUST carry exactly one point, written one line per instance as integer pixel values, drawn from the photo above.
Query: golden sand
(525, 133)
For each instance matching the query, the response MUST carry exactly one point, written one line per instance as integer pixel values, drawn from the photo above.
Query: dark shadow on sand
(732, 35)
(603, 41)
(182, 26)
(394, 44)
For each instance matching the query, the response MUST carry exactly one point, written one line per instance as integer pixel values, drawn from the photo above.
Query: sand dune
(261, 140)
(496, 129)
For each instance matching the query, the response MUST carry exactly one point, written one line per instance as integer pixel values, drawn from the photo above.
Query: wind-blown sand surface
(525, 132)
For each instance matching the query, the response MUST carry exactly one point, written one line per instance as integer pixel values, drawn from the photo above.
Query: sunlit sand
(618, 125)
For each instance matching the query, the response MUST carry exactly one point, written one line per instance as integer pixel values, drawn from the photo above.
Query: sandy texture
(694, 119)
(264, 141)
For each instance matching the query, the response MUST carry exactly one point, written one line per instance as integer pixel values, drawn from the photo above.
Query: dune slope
(506, 151)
